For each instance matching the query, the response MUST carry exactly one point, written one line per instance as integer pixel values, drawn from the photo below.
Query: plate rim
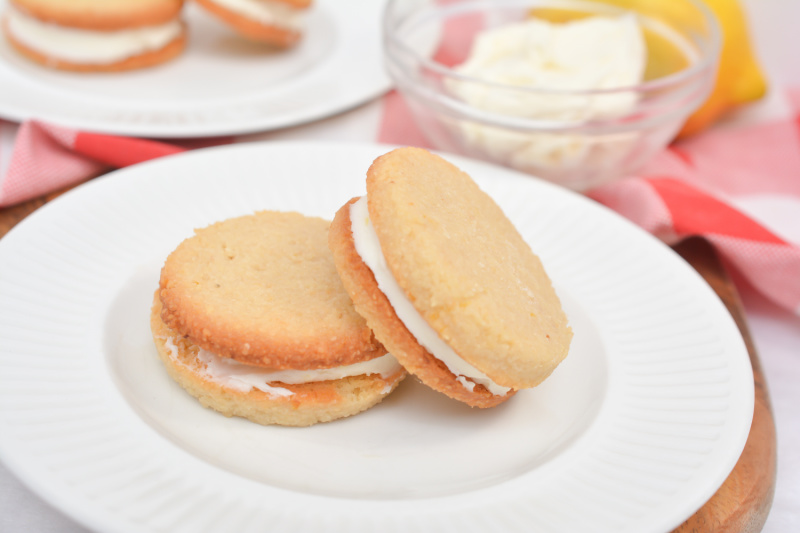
(358, 94)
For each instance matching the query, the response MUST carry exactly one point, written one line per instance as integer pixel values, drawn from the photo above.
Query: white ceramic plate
(221, 85)
(633, 432)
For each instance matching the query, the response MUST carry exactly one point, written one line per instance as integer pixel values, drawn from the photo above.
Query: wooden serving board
(743, 501)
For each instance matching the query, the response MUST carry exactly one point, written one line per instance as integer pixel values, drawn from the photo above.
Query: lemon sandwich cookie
(251, 318)
(96, 35)
(446, 282)
(276, 22)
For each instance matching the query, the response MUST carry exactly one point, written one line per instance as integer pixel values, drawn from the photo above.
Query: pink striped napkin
(739, 187)
(37, 158)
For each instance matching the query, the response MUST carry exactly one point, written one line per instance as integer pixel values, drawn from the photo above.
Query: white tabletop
(776, 333)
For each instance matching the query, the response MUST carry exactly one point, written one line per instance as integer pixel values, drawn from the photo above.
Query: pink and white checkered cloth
(738, 187)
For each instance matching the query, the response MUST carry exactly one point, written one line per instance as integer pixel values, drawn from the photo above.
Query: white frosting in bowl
(547, 71)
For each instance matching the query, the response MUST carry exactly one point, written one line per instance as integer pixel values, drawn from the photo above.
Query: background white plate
(221, 85)
(633, 432)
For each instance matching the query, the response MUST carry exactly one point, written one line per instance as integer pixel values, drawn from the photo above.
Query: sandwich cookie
(446, 282)
(252, 319)
(96, 35)
(276, 22)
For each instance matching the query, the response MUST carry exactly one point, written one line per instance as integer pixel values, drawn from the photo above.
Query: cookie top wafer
(263, 289)
(101, 14)
(465, 268)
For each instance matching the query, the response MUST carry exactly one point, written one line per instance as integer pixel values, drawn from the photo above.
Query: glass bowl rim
(707, 60)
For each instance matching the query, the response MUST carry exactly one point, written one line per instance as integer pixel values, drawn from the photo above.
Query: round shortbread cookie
(144, 60)
(373, 305)
(103, 15)
(465, 268)
(262, 289)
(309, 403)
(273, 34)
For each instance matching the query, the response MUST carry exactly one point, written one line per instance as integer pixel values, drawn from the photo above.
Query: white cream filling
(267, 12)
(243, 377)
(89, 46)
(595, 53)
(369, 248)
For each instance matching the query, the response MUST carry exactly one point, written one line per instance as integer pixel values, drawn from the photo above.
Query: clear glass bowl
(561, 137)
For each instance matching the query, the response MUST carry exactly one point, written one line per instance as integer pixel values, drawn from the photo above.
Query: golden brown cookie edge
(388, 328)
(310, 404)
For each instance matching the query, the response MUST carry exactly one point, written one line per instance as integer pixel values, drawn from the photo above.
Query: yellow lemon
(739, 77)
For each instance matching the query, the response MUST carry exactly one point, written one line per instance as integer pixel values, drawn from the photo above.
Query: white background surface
(776, 333)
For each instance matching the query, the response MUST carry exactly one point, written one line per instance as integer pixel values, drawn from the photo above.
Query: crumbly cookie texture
(466, 268)
(103, 15)
(375, 307)
(309, 403)
(263, 289)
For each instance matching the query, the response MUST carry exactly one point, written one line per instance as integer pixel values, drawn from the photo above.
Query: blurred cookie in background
(96, 35)
(279, 23)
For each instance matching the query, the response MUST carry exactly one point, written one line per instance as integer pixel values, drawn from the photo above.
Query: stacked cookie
(252, 319)
(117, 35)
(446, 282)
(258, 317)
(96, 35)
